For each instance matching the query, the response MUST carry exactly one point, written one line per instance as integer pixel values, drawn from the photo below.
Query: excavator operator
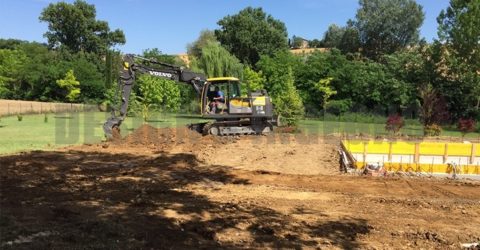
(218, 100)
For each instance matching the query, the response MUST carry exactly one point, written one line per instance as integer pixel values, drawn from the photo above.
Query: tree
(333, 36)
(458, 57)
(459, 29)
(280, 84)
(387, 25)
(433, 109)
(253, 80)
(11, 62)
(157, 93)
(156, 54)
(275, 70)
(412, 71)
(75, 27)
(296, 42)
(89, 75)
(325, 90)
(252, 33)
(350, 41)
(195, 49)
(71, 85)
(216, 61)
(288, 105)
(315, 43)
(39, 73)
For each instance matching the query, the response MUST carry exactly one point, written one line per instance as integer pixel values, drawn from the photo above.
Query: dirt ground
(174, 189)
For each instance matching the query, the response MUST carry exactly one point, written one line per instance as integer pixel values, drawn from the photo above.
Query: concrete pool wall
(425, 157)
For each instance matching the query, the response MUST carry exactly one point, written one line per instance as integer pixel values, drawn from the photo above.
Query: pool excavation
(434, 158)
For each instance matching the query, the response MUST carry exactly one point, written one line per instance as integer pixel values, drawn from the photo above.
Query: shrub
(338, 107)
(394, 123)
(432, 130)
(19, 117)
(466, 125)
(290, 108)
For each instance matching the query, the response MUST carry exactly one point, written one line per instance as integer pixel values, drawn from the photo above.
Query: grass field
(33, 132)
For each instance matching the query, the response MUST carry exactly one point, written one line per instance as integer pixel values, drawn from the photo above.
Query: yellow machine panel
(259, 101)
(240, 102)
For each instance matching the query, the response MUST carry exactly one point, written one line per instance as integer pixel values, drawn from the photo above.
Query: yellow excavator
(221, 100)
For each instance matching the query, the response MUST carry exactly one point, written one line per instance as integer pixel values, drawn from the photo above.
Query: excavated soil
(174, 189)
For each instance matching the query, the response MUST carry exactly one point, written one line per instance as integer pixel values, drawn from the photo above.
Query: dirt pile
(158, 138)
(277, 152)
(283, 153)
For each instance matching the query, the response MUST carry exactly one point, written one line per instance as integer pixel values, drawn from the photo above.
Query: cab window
(234, 90)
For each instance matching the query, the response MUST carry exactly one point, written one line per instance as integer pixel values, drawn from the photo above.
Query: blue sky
(171, 25)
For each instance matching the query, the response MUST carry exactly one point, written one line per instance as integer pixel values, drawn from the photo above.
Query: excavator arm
(127, 78)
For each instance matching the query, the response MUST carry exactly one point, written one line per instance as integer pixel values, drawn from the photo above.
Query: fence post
(445, 154)
(474, 150)
(390, 151)
(365, 149)
(416, 159)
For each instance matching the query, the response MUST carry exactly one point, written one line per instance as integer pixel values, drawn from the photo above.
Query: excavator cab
(233, 101)
(237, 112)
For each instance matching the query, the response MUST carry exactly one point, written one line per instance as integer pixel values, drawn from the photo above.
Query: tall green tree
(39, 73)
(280, 84)
(11, 63)
(206, 36)
(90, 76)
(385, 26)
(458, 57)
(289, 105)
(350, 41)
(459, 28)
(252, 33)
(275, 68)
(333, 36)
(75, 27)
(216, 61)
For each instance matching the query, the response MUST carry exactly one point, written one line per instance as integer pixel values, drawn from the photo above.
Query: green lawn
(68, 129)
(331, 127)
(76, 128)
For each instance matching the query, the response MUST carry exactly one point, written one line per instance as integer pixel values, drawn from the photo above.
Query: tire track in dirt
(387, 191)
(420, 189)
(444, 191)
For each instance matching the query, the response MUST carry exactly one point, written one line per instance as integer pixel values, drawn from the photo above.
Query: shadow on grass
(158, 121)
(63, 117)
(125, 201)
(189, 116)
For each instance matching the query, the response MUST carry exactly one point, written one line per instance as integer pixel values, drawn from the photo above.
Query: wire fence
(15, 107)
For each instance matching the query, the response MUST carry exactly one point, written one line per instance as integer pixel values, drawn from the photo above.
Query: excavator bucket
(111, 128)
